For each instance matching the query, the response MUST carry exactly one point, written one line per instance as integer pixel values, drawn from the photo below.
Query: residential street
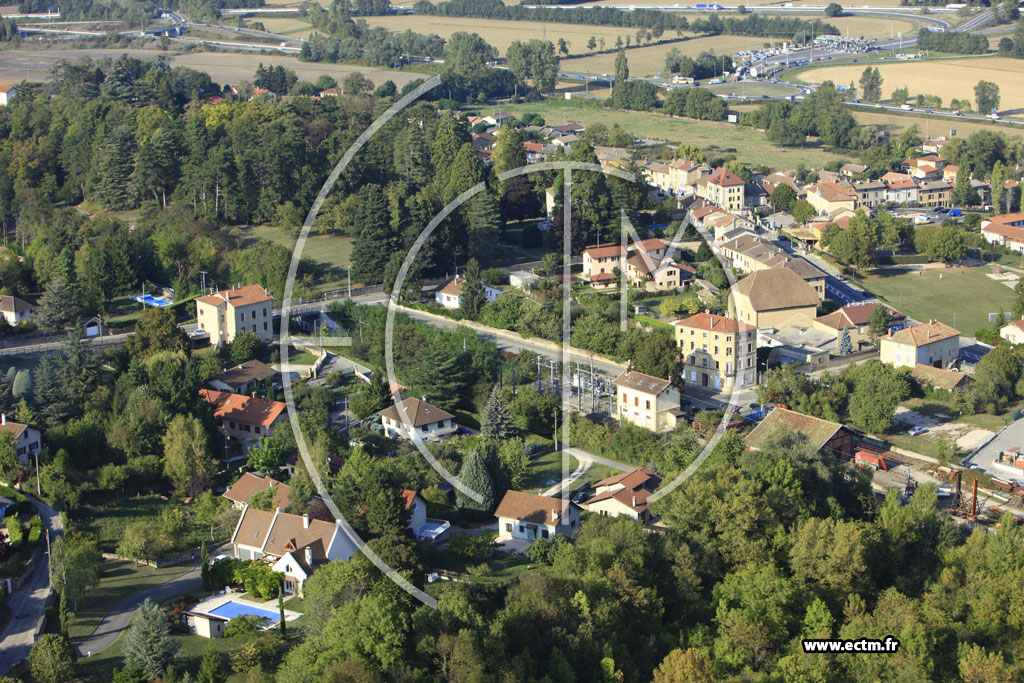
(117, 618)
(28, 605)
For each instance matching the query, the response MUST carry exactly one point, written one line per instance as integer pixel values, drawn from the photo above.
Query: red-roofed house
(228, 312)
(723, 188)
(294, 545)
(625, 494)
(600, 259)
(717, 351)
(855, 317)
(1006, 230)
(249, 483)
(7, 93)
(414, 504)
(27, 440)
(933, 343)
(245, 418)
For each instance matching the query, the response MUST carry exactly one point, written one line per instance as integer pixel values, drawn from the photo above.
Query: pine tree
(280, 605)
(497, 422)
(845, 345)
(114, 186)
(371, 397)
(65, 615)
(483, 225)
(147, 640)
(476, 478)
(375, 240)
(204, 558)
(473, 294)
(58, 306)
(210, 668)
(440, 376)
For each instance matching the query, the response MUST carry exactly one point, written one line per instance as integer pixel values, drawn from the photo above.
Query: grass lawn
(547, 470)
(329, 254)
(963, 297)
(467, 419)
(119, 580)
(300, 357)
(108, 521)
(747, 143)
(500, 570)
(100, 667)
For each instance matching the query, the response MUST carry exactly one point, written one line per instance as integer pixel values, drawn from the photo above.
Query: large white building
(527, 517)
(414, 417)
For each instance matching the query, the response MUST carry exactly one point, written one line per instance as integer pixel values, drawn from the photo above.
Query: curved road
(28, 605)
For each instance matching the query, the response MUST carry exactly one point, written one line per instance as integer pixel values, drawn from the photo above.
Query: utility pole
(350, 282)
(203, 273)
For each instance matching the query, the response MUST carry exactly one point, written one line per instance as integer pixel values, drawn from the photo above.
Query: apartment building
(647, 401)
(226, 313)
(718, 352)
(722, 188)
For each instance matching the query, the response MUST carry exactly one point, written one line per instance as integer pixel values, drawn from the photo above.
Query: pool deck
(216, 601)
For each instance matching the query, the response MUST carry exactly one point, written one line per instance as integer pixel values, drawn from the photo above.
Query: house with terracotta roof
(870, 193)
(933, 343)
(808, 272)
(656, 275)
(723, 188)
(294, 545)
(414, 418)
(828, 197)
(15, 310)
(647, 401)
(1006, 235)
(245, 378)
(7, 93)
(249, 483)
(245, 418)
(528, 517)
(850, 170)
(28, 441)
(900, 191)
(600, 259)
(718, 352)
(749, 253)
(534, 152)
(854, 318)
(625, 495)
(226, 313)
(830, 437)
(1013, 332)
(449, 292)
(776, 297)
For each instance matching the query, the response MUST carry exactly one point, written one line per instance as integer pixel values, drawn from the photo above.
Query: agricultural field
(647, 61)
(501, 33)
(727, 138)
(949, 78)
(753, 89)
(953, 298)
(286, 26)
(223, 67)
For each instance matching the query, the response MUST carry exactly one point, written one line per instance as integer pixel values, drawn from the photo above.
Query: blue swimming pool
(232, 609)
(151, 300)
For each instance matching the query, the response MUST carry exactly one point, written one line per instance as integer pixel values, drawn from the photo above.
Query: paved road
(117, 618)
(28, 605)
(1008, 438)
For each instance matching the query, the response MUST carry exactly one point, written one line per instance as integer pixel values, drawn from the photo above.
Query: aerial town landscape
(483, 341)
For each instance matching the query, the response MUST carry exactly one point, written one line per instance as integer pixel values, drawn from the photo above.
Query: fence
(161, 562)
(115, 340)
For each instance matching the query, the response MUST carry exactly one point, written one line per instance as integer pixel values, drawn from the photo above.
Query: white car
(922, 219)
(914, 431)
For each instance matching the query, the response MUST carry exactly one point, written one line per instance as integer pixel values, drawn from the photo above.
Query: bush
(244, 625)
(14, 531)
(472, 547)
(245, 657)
(35, 530)
(222, 573)
(544, 550)
(494, 277)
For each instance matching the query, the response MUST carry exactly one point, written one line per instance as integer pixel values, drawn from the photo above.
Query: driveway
(28, 605)
(1011, 436)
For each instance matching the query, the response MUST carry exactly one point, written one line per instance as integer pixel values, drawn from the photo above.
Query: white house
(424, 420)
(523, 279)
(1013, 332)
(527, 517)
(449, 294)
(27, 440)
(15, 310)
(625, 494)
(294, 545)
(933, 343)
(417, 508)
(7, 93)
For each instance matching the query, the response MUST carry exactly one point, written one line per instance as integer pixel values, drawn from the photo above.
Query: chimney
(634, 500)
(554, 515)
(890, 333)
(309, 556)
(3, 418)
(305, 521)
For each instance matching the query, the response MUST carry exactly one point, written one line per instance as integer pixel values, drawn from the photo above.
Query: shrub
(245, 657)
(472, 547)
(14, 531)
(244, 625)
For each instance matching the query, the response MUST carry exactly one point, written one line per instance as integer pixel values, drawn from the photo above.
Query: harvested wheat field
(647, 61)
(500, 33)
(948, 78)
(284, 26)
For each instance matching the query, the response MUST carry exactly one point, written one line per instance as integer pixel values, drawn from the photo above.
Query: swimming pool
(232, 609)
(151, 300)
